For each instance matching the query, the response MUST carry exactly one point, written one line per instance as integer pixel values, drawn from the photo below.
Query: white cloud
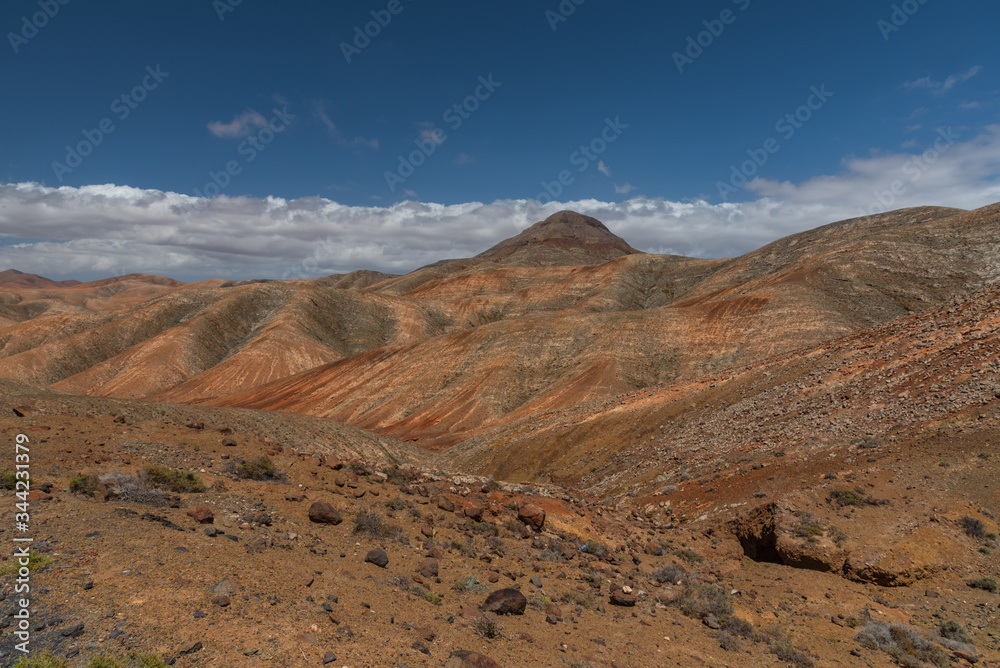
(942, 87)
(624, 189)
(106, 229)
(465, 159)
(603, 169)
(241, 126)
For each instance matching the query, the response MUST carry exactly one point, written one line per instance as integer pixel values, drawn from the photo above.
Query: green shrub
(594, 547)
(699, 600)
(36, 560)
(261, 468)
(436, 599)
(8, 480)
(43, 660)
(857, 497)
(986, 584)
(134, 661)
(83, 483)
(954, 631)
(182, 482)
(689, 556)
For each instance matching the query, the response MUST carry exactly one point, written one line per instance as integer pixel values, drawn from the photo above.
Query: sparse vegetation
(133, 489)
(465, 549)
(539, 602)
(986, 584)
(36, 560)
(261, 468)
(372, 525)
(401, 580)
(670, 574)
(396, 504)
(173, 480)
(133, 661)
(954, 631)
(488, 626)
(972, 527)
(8, 480)
(496, 545)
(781, 646)
(857, 498)
(44, 659)
(83, 483)
(436, 599)
(585, 599)
(903, 644)
(699, 600)
(689, 556)
(594, 547)
(468, 583)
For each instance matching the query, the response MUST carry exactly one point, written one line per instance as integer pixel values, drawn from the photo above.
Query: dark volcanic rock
(377, 557)
(505, 602)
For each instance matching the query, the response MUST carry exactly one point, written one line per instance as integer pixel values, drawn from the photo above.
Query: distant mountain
(12, 279)
(562, 314)
(564, 238)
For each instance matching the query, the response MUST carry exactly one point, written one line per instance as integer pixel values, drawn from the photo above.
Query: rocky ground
(340, 563)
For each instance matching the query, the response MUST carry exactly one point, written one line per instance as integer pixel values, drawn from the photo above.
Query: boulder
(505, 602)
(322, 512)
(532, 516)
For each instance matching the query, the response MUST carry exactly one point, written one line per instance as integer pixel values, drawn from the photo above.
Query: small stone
(198, 614)
(74, 631)
(221, 601)
(201, 514)
(190, 649)
(377, 557)
(329, 657)
(466, 659)
(619, 597)
(226, 587)
(428, 568)
(229, 442)
(537, 581)
(711, 622)
(88, 586)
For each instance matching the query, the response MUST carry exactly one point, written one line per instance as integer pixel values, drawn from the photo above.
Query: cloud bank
(103, 230)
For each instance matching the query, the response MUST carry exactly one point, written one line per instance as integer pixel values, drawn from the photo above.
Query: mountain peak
(564, 238)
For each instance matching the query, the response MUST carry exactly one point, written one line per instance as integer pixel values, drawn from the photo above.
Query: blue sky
(267, 91)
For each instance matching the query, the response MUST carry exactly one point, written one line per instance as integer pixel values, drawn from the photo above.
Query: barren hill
(563, 313)
(559, 452)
